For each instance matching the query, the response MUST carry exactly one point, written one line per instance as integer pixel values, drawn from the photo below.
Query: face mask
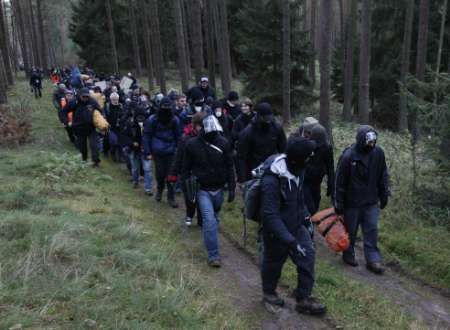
(198, 108)
(218, 114)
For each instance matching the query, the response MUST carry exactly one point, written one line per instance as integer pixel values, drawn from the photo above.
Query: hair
(247, 100)
(197, 119)
(181, 96)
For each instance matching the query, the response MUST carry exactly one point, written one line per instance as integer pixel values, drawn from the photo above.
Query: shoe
(310, 305)
(173, 204)
(349, 260)
(158, 196)
(273, 299)
(149, 193)
(375, 267)
(135, 185)
(188, 221)
(96, 164)
(215, 263)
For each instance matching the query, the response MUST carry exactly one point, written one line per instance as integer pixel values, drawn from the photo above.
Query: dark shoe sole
(308, 311)
(349, 263)
(375, 271)
(279, 304)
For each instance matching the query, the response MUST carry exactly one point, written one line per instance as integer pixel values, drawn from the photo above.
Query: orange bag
(331, 227)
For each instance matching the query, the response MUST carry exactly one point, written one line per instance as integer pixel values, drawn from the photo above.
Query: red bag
(331, 226)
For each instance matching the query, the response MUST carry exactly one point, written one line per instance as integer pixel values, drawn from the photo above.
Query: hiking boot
(215, 263)
(375, 267)
(149, 193)
(349, 260)
(158, 196)
(273, 299)
(310, 305)
(172, 203)
(188, 221)
(135, 185)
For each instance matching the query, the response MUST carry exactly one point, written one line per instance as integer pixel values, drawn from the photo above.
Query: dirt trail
(424, 303)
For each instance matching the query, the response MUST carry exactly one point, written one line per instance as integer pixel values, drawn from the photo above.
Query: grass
(79, 248)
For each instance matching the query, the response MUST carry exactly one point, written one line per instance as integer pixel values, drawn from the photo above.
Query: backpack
(252, 193)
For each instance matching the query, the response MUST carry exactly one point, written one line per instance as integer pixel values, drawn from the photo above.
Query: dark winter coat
(114, 114)
(321, 164)
(161, 139)
(214, 169)
(233, 112)
(283, 209)
(36, 80)
(241, 122)
(256, 145)
(188, 134)
(83, 115)
(197, 90)
(361, 176)
(130, 133)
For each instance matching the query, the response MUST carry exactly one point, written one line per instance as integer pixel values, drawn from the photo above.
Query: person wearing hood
(321, 164)
(83, 110)
(306, 127)
(202, 88)
(162, 132)
(190, 131)
(36, 83)
(232, 106)
(131, 132)
(263, 137)
(208, 157)
(284, 226)
(362, 189)
(224, 120)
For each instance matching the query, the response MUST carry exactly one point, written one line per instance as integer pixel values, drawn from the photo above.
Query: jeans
(136, 159)
(367, 217)
(82, 139)
(209, 204)
(275, 254)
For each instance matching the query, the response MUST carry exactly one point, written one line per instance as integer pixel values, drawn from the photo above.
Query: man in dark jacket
(362, 189)
(243, 120)
(83, 124)
(162, 133)
(261, 139)
(114, 113)
(232, 106)
(202, 87)
(36, 83)
(224, 119)
(208, 157)
(58, 95)
(321, 164)
(284, 226)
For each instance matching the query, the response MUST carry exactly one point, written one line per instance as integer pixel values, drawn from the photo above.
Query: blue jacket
(160, 139)
(283, 209)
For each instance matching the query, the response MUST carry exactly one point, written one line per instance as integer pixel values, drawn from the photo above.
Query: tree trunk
(195, 23)
(441, 37)
(223, 13)
(33, 35)
(181, 49)
(364, 62)
(349, 61)
(312, 64)
(341, 21)
(406, 57)
(286, 63)
(147, 44)
(210, 45)
(186, 39)
(155, 37)
(112, 36)
(421, 59)
(134, 39)
(3, 85)
(23, 40)
(4, 45)
(42, 38)
(326, 23)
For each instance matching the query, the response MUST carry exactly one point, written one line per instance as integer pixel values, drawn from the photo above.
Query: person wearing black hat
(284, 226)
(232, 106)
(263, 137)
(362, 189)
(203, 88)
(162, 132)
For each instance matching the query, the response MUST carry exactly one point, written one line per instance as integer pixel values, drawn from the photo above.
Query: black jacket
(241, 122)
(213, 168)
(83, 115)
(36, 80)
(233, 112)
(283, 208)
(198, 90)
(256, 145)
(114, 114)
(130, 133)
(361, 177)
(321, 164)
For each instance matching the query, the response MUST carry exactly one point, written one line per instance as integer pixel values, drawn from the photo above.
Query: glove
(383, 202)
(339, 211)
(297, 249)
(231, 196)
(172, 179)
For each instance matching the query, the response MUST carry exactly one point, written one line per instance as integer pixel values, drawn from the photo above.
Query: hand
(297, 249)
(172, 179)
(231, 196)
(135, 144)
(383, 202)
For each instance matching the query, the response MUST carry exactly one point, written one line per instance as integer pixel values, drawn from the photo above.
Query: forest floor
(79, 248)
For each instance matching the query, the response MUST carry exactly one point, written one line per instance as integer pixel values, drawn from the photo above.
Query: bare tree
(364, 62)
(112, 36)
(134, 38)
(349, 59)
(155, 37)
(406, 59)
(286, 62)
(326, 22)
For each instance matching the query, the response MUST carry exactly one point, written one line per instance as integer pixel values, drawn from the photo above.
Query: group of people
(206, 147)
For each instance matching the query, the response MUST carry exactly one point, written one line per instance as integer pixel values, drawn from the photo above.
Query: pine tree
(364, 62)
(349, 61)
(182, 56)
(286, 62)
(326, 22)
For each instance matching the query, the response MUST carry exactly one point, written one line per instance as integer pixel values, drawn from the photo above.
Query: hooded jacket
(361, 175)
(161, 139)
(283, 210)
(83, 115)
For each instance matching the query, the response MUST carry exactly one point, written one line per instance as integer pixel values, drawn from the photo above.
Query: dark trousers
(275, 254)
(37, 91)
(82, 143)
(312, 197)
(70, 134)
(162, 168)
(367, 217)
(191, 208)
